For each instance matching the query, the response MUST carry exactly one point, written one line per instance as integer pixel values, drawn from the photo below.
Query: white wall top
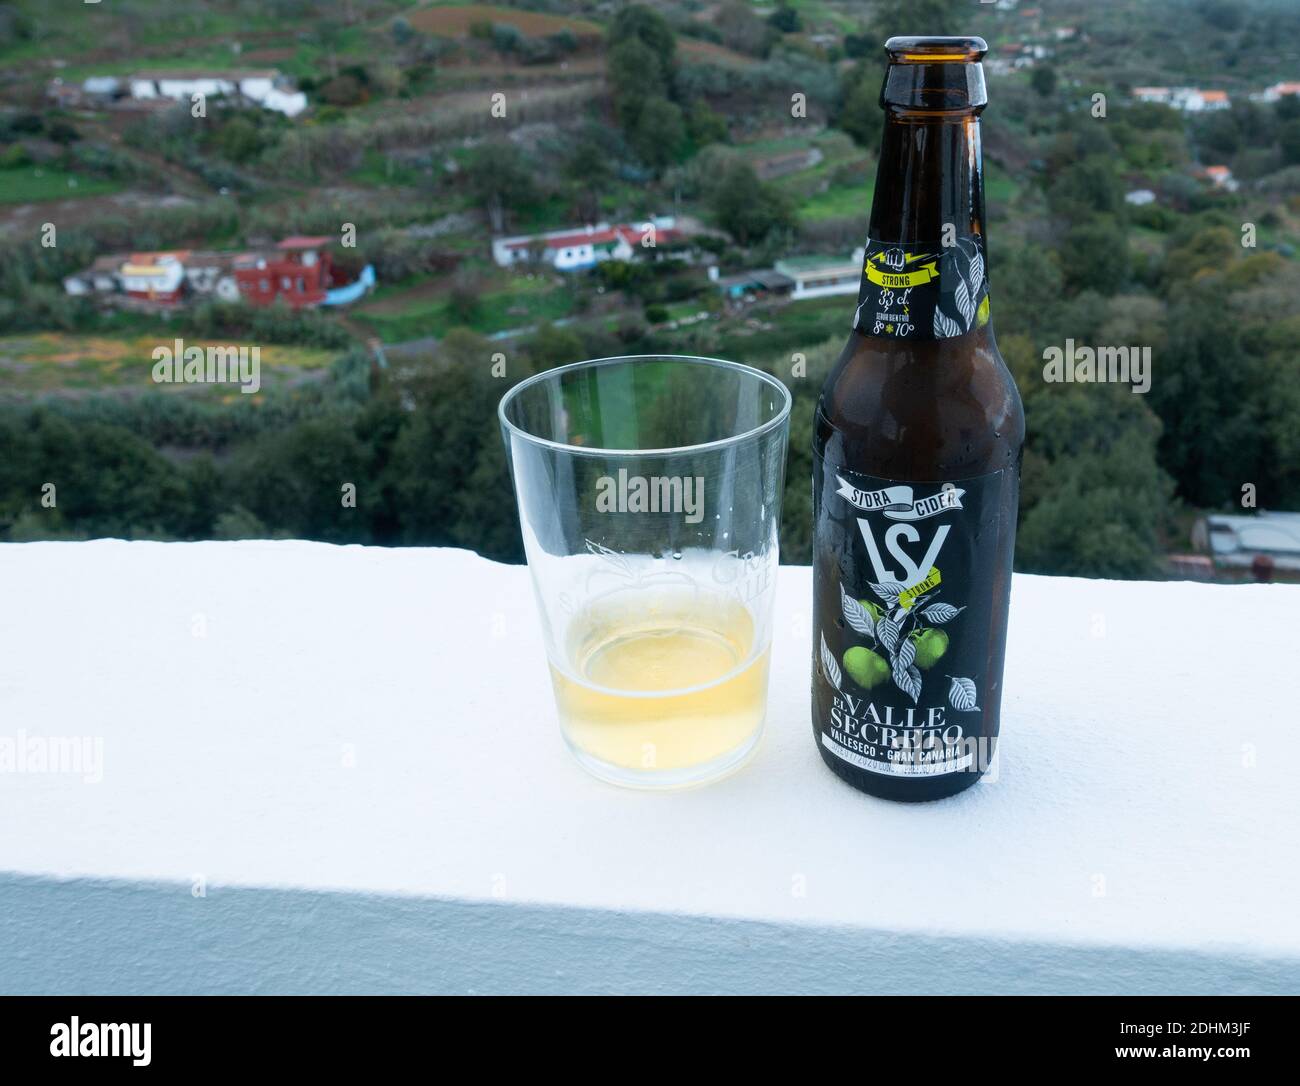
(368, 729)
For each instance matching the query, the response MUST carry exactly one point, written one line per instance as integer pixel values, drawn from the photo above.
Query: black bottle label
(923, 291)
(910, 596)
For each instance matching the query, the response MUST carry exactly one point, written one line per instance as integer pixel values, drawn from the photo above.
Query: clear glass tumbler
(649, 492)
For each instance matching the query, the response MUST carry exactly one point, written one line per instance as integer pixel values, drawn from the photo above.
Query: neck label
(922, 291)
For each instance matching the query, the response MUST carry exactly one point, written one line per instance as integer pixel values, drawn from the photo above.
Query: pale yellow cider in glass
(666, 682)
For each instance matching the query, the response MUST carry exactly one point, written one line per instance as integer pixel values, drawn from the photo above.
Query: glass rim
(753, 433)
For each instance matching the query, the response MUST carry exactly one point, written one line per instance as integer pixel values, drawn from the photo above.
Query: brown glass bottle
(917, 446)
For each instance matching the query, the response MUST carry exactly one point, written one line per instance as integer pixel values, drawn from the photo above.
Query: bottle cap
(935, 74)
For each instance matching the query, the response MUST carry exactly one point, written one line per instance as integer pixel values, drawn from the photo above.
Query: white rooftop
(338, 769)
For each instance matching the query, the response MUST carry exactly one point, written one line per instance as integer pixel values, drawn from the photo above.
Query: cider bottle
(917, 446)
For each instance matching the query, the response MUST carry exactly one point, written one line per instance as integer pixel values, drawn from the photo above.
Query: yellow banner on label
(883, 278)
(908, 596)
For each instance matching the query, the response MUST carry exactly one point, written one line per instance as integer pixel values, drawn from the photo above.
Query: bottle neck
(930, 181)
(925, 275)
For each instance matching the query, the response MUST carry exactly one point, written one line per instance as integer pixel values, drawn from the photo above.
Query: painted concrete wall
(91, 937)
(337, 769)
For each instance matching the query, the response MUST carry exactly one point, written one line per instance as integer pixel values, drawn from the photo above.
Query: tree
(635, 77)
(1043, 80)
(785, 18)
(501, 180)
(706, 126)
(110, 482)
(659, 134)
(447, 475)
(588, 167)
(640, 23)
(1095, 501)
(506, 38)
(1086, 189)
(1289, 138)
(551, 346)
(1221, 14)
(641, 68)
(1221, 133)
(239, 139)
(342, 90)
(746, 208)
(1026, 282)
(1209, 393)
(402, 31)
(1199, 249)
(858, 112)
(464, 299)
(294, 479)
(742, 30)
(927, 17)
(1097, 256)
(641, 61)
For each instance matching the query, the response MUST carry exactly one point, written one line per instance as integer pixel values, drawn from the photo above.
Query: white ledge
(355, 749)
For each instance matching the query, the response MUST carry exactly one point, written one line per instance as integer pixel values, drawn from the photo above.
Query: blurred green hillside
(754, 126)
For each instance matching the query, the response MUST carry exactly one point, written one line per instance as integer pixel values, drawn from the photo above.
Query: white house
(577, 250)
(1140, 197)
(154, 276)
(820, 277)
(1276, 92)
(267, 89)
(1160, 95)
(1187, 99)
(1221, 178)
(212, 273)
(100, 278)
(1199, 101)
(564, 250)
(102, 86)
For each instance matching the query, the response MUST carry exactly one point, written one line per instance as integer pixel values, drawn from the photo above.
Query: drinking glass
(649, 492)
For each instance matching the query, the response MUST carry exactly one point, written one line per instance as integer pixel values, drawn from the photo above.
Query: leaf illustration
(856, 615)
(976, 273)
(965, 303)
(887, 631)
(941, 612)
(906, 653)
(886, 589)
(945, 326)
(961, 694)
(907, 678)
(830, 668)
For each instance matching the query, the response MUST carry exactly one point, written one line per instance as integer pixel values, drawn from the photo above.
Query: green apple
(930, 646)
(866, 668)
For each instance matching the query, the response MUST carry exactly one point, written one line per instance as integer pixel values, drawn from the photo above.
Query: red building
(299, 271)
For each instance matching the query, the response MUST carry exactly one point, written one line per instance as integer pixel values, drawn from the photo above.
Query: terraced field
(58, 362)
(457, 22)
